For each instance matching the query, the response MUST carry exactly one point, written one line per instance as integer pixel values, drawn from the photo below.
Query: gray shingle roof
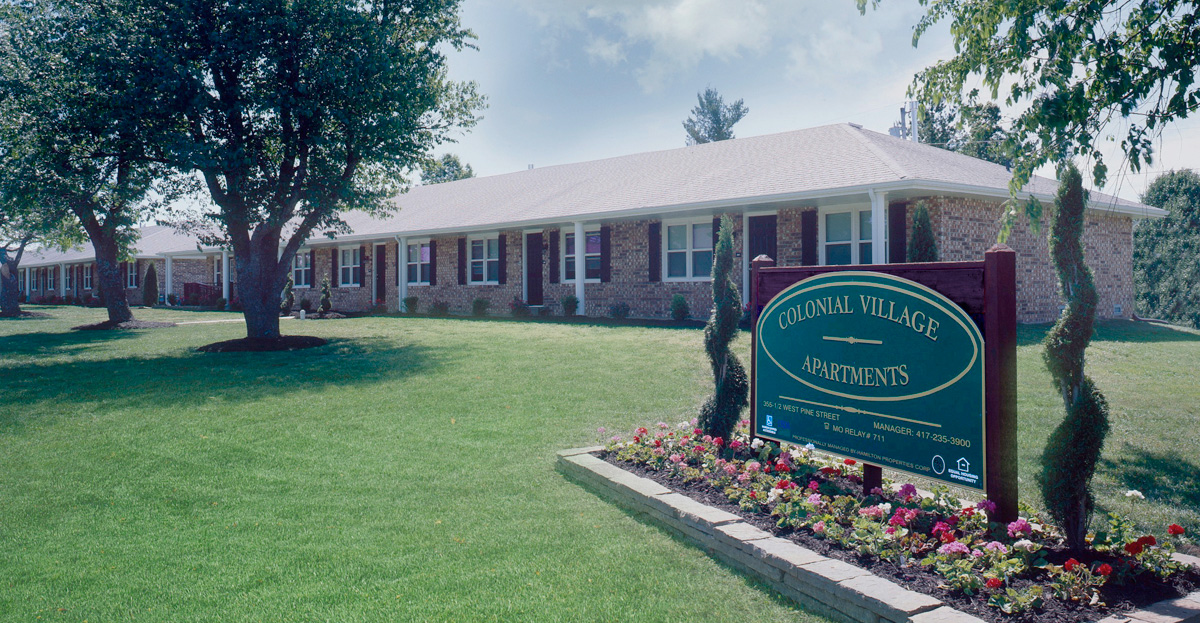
(152, 240)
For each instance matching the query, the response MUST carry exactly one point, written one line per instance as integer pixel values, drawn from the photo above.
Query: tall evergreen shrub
(922, 245)
(1070, 457)
(719, 413)
(150, 289)
(326, 297)
(288, 299)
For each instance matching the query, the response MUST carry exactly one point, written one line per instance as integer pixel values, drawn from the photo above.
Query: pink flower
(987, 506)
(871, 511)
(890, 530)
(743, 477)
(753, 466)
(954, 548)
(744, 423)
(708, 439)
(819, 527)
(659, 452)
(907, 490)
(939, 528)
(730, 469)
(735, 444)
(903, 516)
(813, 486)
(876, 491)
(676, 458)
(1019, 527)
(661, 425)
(815, 499)
(996, 546)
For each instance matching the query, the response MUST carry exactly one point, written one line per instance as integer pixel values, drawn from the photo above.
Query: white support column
(62, 280)
(580, 265)
(878, 226)
(170, 276)
(225, 277)
(402, 277)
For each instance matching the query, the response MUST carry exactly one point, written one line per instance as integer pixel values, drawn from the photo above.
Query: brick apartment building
(836, 194)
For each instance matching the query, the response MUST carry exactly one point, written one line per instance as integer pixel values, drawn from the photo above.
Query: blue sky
(575, 80)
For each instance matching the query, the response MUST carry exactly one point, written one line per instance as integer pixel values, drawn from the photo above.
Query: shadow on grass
(57, 342)
(1165, 475)
(585, 321)
(192, 378)
(1127, 331)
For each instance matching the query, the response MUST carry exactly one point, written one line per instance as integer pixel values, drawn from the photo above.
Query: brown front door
(381, 273)
(533, 269)
(762, 237)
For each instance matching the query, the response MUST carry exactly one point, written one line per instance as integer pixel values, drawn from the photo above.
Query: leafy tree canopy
(972, 129)
(712, 119)
(448, 168)
(1166, 252)
(1073, 67)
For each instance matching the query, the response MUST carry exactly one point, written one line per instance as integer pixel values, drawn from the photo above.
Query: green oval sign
(874, 367)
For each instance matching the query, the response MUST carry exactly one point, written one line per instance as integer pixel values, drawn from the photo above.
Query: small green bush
(172, 299)
(410, 304)
(306, 305)
(922, 245)
(620, 311)
(570, 305)
(439, 308)
(150, 287)
(679, 308)
(520, 309)
(479, 307)
(288, 300)
(220, 303)
(326, 297)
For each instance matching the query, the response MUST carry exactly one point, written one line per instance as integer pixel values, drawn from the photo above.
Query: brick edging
(828, 586)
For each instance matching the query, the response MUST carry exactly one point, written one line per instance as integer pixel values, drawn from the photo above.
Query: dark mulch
(260, 345)
(1146, 591)
(319, 316)
(24, 315)
(129, 324)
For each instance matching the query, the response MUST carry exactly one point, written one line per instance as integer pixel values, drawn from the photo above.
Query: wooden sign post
(908, 366)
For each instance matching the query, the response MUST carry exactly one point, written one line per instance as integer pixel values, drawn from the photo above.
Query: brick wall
(787, 235)
(965, 228)
(460, 297)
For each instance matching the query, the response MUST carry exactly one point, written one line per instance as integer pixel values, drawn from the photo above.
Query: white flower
(796, 454)
(756, 444)
(1134, 493)
(773, 495)
(1026, 545)
(887, 508)
(809, 447)
(683, 425)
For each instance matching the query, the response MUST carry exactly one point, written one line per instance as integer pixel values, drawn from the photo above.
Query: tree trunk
(10, 293)
(260, 282)
(112, 286)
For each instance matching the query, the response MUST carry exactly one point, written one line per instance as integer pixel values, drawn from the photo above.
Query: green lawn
(406, 471)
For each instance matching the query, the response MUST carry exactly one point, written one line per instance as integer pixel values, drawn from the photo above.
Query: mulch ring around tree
(262, 345)
(128, 324)
(319, 316)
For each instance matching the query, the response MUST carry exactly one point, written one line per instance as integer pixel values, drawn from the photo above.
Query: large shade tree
(1073, 68)
(75, 134)
(448, 168)
(1166, 252)
(712, 119)
(23, 225)
(294, 111)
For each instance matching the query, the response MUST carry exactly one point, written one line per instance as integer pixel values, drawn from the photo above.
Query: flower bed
(929, 542)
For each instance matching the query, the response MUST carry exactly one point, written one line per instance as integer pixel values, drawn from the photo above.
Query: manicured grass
(405, 472)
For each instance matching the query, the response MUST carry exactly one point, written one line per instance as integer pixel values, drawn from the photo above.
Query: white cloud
(602, 49)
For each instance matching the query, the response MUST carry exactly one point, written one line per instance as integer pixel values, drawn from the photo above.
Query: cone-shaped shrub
(1070, 457)
(922, 246)
(288, 299)
(719, 413)
(326, 297)
(150, 289)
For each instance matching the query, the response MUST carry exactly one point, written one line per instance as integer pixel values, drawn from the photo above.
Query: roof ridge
(857, 132)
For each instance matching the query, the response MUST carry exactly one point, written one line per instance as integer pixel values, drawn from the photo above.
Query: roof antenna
(530, 168)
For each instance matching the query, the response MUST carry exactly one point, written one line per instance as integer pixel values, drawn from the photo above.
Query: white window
(51, 279)
(591, 255)
(87, 277)
(302, 270)
(350, 267)
(846, 237)
(418, 263)
(131, 275)
(69, 278)
(688, 250)
(485, 260)
(25, 280)
(35, 279)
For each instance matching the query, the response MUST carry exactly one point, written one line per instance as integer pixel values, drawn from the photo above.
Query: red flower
(1175, 529)
(785, 484)
(829, 471)
(849, 461)
(1134, 548)
(1147, 540)
(781, 466)
(735, 444)
(1071, 564)
(699, 448)
(637, 439)
(697, 432)
(753, 495)
(947, 537)
(641, 431)
(995, 583)
(1104, 569)
(657, 443)
(718, 442)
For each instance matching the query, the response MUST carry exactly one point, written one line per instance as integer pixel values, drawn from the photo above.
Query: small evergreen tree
(719, 413)
(922, 246)
(679, 308)
(1070, 457)
(289, 297)
(150, 290)
(326, 297)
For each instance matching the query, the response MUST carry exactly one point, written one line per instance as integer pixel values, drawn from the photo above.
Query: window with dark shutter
(360, 271)
(137, 273)
(716, 231)
(502, 277)
(605, 253)
(808, 238)
(897, 233)
(333, 267)
(462, 261)
(553, 256)
(655, 251)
